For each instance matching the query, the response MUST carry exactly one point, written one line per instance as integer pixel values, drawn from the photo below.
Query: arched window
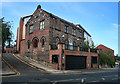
(43, 42)
(35, 42)
(28, 44)
(74, 44)
(57, 41)
(70, 45)
(66, 44)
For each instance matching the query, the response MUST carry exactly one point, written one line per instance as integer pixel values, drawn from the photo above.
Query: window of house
(66, 44)
(73, 31)
(94, 60)
(41, 25)
(35, 43)
(43, 42)
(80, 34)
(70, 45)
(28, 43)
(57, 41)
(31, 29)
(66, 29)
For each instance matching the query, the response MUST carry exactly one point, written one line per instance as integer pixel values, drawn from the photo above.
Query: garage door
(75, 62)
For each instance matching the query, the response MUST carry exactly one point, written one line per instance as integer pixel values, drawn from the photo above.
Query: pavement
(6, 69)
(49, 69)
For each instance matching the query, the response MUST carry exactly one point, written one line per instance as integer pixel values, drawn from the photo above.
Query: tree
(116, 57)
(106, 58)
(92, 45)
(7, 34)
(86, 44)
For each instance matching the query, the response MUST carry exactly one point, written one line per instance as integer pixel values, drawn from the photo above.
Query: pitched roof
(52, 15)
(105, 47)
(66, 21)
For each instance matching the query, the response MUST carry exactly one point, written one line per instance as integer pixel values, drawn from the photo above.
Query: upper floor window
(31, 29)
(80, 34)
(42, 25)
(66, 29)
(73, 31)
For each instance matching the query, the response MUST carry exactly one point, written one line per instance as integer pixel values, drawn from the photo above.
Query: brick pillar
(49, 47)
(50, 59)
(78, 48)
(63, 46)
(89, 50)
(88, 59)
(60, 47)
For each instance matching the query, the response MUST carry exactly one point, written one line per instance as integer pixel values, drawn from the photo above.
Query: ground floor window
(35, 43)
(54, 59)
(28, 44)
(94, 60)
(43, 42)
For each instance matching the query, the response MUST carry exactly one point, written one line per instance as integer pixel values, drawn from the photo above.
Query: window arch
(70, 45)
(35, 42)
(57, 41)
(28, 44)
(66, 44)
(43, 41)
(74, 43)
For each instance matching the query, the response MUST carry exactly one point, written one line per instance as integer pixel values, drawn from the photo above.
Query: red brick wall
(105, 48)
(21, 28)
(20, 32)
(22, 47)
(69, 52)
(37, 33)
(17, 40)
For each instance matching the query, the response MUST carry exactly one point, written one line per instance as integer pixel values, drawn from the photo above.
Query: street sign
(58, 56)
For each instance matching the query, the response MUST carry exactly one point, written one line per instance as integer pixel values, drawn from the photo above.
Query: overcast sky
(100, 19)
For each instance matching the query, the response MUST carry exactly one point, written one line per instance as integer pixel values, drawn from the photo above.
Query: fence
(74, 48)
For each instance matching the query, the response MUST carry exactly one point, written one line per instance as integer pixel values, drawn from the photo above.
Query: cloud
(116, 25)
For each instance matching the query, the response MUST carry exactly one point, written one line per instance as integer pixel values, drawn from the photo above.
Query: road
(32, 75)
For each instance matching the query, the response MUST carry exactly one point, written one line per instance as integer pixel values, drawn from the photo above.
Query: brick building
(9, 49)
(52, 40)
(103, 48)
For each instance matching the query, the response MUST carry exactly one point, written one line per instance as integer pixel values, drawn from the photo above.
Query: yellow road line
(29, 64)
(18, 73)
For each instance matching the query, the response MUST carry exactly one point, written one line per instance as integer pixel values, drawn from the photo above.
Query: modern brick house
(103, 48)
(47, 38)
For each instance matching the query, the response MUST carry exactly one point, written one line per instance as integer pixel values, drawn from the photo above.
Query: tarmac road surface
(31, 75)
